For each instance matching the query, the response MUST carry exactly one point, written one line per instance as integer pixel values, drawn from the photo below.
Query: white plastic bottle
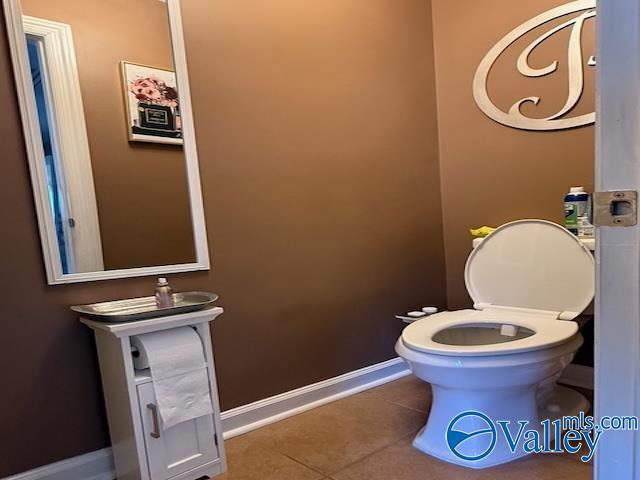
(576, 205)
(164, 294)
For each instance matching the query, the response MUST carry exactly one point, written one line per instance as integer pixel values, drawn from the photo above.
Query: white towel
(178, 372)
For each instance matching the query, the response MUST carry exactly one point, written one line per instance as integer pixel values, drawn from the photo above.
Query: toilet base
(563, 402)
(513, 405)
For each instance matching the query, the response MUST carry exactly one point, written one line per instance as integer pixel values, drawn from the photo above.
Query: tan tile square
(547, 466)
(410, 392)
(249, 459)
(402, 462)
(333, 436)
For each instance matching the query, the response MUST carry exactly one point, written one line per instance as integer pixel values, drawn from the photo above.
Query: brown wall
(318, 153)
(141, 188)
(491, 173)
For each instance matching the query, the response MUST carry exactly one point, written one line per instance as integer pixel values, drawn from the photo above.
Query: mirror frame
(33, 143)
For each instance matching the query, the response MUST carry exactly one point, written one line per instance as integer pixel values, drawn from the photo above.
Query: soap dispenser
(164, 294)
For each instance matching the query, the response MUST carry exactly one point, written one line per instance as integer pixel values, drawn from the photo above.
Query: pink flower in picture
(138, 85)
(151, 93)
(154, 90)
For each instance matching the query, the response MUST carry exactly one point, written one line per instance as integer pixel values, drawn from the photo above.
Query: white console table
(141, 449)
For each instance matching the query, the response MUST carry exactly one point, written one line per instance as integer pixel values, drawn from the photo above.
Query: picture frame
(152, 104)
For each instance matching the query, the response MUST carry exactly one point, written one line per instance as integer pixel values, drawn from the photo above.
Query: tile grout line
(394, 442)
(328, 475)
(274, 449)
(303, 464)
(392, 402)
(398, 440)
(410, 408)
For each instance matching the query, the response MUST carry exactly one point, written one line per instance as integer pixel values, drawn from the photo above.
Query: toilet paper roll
(178, 373)
(140, 359)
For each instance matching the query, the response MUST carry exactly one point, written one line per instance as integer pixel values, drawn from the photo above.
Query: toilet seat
(531, 264)
(548, 332)
(533, 274)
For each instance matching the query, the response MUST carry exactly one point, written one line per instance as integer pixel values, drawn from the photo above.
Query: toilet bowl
(528, 279)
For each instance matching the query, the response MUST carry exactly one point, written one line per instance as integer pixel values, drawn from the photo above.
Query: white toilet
(529, 279)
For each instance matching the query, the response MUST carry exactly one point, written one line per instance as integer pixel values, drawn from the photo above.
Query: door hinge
(616, 208)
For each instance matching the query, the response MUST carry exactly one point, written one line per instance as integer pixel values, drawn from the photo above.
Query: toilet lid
(533, 264)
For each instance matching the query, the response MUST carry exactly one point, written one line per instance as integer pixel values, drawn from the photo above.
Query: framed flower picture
(151, 103)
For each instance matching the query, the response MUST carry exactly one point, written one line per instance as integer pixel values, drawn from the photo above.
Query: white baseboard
(99, 465)
(577, 376)
(263, 412)
(96, 465)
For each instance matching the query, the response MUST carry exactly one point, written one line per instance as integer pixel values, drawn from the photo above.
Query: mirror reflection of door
(109, 117)
(64, 143)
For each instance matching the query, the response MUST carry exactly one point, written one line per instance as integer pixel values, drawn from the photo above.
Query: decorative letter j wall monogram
(577, 12)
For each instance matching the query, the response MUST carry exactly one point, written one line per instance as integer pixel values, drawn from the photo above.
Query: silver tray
(145, 307)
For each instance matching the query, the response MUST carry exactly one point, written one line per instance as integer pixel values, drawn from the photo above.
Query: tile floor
(368, 437)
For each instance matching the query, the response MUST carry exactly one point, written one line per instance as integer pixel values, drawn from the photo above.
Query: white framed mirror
(106, 112)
